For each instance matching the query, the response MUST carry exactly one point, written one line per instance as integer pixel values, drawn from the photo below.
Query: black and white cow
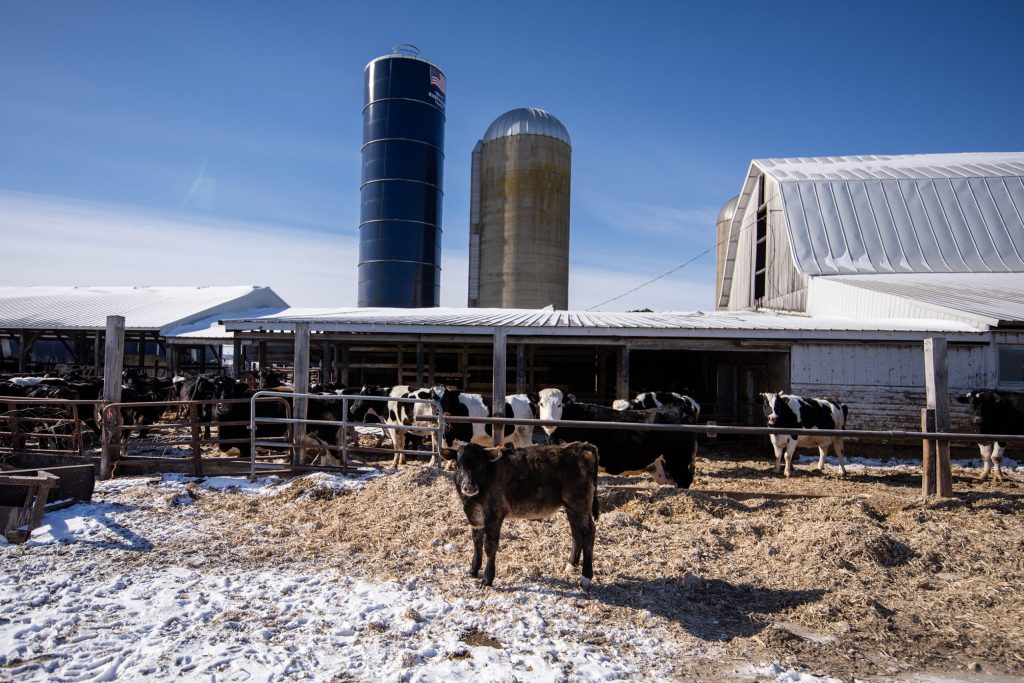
(672, 455)
(519, 406)
(528, 483)
(789, 410)
(994, 413)
(657, 399)
(396, 414)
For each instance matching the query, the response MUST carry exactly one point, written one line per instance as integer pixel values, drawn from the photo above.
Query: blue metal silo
(403, 164)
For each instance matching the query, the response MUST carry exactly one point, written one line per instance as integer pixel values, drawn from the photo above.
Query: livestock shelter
(722, 359)
(166, 328)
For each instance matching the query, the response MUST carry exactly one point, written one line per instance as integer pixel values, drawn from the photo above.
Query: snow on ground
(83, 600)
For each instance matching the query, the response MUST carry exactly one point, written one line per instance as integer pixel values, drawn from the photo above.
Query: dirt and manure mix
(864, 581)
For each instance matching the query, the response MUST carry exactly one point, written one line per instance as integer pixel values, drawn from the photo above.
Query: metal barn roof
(989, 298)
(920, 213)
(144, 308)
(530, 322)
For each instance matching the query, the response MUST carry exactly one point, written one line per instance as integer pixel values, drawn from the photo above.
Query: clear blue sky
(223, 138)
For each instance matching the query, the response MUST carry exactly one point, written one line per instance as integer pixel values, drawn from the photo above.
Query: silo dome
(527, 121)
(728, 211)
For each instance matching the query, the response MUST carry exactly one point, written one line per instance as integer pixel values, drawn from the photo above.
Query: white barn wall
(883, 384)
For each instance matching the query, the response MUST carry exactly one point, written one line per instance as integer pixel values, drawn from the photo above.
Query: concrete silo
(519, 213)
(403, 163)
(722, 226)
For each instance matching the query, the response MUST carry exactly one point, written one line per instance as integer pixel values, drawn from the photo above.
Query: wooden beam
(142, 351)
(236, 358)
(112, 368)
(325, 361)
(498, 380)
(623, 373)
(300, 380)
(97, 344)
(936, 379)
(419, 364)
(520, 368)
(22, 350)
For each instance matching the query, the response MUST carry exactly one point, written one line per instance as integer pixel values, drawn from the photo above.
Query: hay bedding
(872, 585)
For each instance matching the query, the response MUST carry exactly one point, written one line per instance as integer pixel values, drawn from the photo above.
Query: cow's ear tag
(496, 453)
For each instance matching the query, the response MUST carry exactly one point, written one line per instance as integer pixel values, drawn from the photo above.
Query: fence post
(197, 446)
(112, 367)
(927, 454)
(498, 382)
(301, 383)
(937, 396)
(623, 371)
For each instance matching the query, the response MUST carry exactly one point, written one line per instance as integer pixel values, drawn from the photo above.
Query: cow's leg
(492, 534)
(778, 451)
(790, 450)
(577, 541)
(478, 554)
(822, 453)
(398, 443)
(588, 533)
(997, 461)
(986, 454)
(435, 455)
(837, 443)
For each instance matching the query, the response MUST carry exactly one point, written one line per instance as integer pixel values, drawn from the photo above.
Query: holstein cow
(657, 399)
(789, 410)
(397, 414)
(528, 483)
(672, 454)
(519, 406)
(994, 413)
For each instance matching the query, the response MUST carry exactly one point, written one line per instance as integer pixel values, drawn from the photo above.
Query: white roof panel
(581, 323)
(994, 297)
(144, 308)
(920, 213)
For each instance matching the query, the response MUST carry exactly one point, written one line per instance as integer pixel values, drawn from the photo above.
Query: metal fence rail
(344, 425)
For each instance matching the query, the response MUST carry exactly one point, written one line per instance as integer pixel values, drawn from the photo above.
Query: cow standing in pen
(994, 413)
(528, 483)
(657, 399)
(789, 410)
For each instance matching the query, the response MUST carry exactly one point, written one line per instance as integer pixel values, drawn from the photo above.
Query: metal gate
(433, 422)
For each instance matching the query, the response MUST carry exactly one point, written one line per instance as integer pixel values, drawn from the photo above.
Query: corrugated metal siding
(481, 320)
(833, 296)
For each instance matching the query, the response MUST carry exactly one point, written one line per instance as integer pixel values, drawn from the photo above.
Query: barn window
(1011, 365)
(761, 245)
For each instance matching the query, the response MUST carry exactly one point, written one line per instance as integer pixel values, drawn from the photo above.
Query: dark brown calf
(528, 483)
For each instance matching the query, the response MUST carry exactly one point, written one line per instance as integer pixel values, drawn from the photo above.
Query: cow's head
(549, 407)
(985, 405)
(361, 408)
(474, 467)
(770, 402)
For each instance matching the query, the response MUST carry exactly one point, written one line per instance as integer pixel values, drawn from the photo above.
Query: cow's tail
(846, 413)
(595, 506)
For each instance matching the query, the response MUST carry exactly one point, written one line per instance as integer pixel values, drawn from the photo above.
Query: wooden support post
(520, 368)
(623, 373)
(344, 373)
(97, 344)
(498, 381)
(419, 364)
(22, 350)
(237, 359)
(325, 362)
(300, 380)
(142, 351)
(197, 446)
(113, 364)
(261, 358)
(939, 479)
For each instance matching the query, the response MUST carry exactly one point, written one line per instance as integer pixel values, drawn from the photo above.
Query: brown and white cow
(528, 483)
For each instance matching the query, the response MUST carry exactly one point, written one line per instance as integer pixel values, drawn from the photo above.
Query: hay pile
(856, 586)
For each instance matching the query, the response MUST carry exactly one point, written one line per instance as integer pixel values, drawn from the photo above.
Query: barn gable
(798, 219)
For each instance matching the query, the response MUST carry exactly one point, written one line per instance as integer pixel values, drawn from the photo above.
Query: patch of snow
(780, 674)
